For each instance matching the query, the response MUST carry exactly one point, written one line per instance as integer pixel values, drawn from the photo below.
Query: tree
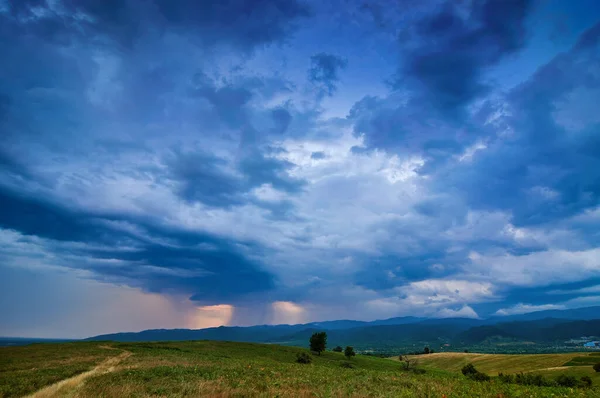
(349, 352)
(338, 349)
(597, 367)
(318, 342)
(426, 350)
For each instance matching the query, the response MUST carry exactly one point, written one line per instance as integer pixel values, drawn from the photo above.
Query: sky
(188, 164)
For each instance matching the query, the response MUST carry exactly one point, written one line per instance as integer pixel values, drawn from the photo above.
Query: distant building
(592, 344)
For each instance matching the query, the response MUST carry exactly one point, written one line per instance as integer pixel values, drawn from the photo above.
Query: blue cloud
(324, 71)
(541, 170)
(209, 22)
(178, 148)
(448, 50)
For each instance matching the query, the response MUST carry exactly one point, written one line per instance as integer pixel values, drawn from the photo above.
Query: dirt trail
(68, 386)
(552, 368)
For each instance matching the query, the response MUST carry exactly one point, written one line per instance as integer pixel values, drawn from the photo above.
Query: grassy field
(492, 364)
(221, 369)
(550, 365)
(26, 369)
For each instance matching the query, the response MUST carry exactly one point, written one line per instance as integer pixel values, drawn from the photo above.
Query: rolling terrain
(227, 369)
(550, 365)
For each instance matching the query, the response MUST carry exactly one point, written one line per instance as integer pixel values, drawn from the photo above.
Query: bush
(479, 377)
(303, 358)
(506, 378)
(347, 365)
(586, 381)
(597, 367)
(426, 350)
(468, 369)
(338, 349)
(566, 381)
(473, 374)
(349, 352)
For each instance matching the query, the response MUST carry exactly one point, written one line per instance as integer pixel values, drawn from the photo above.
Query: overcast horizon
(188, 164)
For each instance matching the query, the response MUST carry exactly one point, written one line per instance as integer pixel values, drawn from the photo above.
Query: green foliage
(563, 380)
(586, 381)
(318, 342)
(349, 352)
(468, 369)
(479, 377)
(566, 381)
(338, 349)
(527, 379)
(303, 357)
(473, 374)
(426, 350)
(347, 365)
(596, 367)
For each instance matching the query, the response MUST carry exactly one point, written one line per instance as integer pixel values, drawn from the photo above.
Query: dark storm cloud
(239, 23)
(160, 259)
(397, 126)
(216, 182)
(324, 72)
(547, 168)
(448, 50)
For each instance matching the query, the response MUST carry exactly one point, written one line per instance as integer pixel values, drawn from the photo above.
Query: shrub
(597, 367)
(318, 342)
(349, 352)
(338, 349)
(506, 378)
(468, 369)
(347, 365)
(586, 381)
(473, 374)
(566, 381)
(479, 377)
(303, 358)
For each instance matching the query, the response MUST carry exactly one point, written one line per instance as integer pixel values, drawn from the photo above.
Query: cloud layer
(191, 158)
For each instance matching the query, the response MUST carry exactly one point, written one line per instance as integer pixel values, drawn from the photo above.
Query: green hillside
(225, 369)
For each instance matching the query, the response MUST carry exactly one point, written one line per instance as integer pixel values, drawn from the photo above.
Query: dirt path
(552, 368)
(68, 386)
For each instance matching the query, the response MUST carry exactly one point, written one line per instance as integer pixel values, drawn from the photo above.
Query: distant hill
(537, 327)
(583, 314)
(543, 330)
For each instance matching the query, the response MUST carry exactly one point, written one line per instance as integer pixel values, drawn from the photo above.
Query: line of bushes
(527, 379)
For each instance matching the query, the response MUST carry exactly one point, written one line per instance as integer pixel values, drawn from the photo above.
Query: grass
(26, 369)
(222, 369)
(493, 364)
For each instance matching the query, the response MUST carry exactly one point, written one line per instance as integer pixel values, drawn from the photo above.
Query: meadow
(224, 369)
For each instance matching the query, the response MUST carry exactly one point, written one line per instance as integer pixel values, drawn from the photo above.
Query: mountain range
(543, 327)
